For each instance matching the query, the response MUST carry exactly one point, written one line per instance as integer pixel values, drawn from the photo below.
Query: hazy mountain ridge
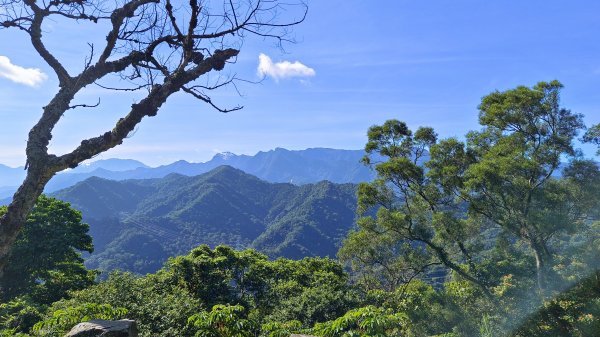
(112, 164)
(10, 178)
(278, 165)
(168, 216)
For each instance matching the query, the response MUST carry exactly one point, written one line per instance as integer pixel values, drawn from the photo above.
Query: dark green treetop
(46, 259)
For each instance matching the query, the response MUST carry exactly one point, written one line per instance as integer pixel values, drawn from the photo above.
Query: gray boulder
(102, 328)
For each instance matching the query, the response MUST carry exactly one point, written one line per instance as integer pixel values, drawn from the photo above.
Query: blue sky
(424, 62)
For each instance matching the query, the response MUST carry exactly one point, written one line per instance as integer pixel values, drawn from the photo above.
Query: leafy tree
(309, 290)
(381, 261)
(366, 321)
(159, 307)
(279, 329)
(428, 311)
(161, 49)
(221, 275)
(526, 133)
(18, 316)
(498, 184)
(592, 135)
(62, 320)
(418, 224)
(224, 321)
(279, 292)
(46, 260)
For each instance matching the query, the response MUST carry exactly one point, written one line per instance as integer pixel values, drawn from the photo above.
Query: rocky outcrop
(102, 328)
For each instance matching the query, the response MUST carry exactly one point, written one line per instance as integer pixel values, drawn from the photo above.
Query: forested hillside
(138, 224)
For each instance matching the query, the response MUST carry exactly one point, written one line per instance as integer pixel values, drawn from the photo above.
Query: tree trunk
(16, 216)
(539, 265)
(542, 258)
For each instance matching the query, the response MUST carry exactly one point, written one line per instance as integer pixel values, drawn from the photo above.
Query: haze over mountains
(278, 165)
(138, 224)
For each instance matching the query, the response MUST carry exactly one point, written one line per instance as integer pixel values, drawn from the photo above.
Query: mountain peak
(227, 169)
(111, 164)
(224, 155)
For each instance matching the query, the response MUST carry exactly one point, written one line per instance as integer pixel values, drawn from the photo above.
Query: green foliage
(487, 328)
(428, 311)
(159, 306)
(418, 223)
(280, 329)
(62, 320)
(138, 224)
(492, 210)
(501, 175)
(308, 291)
(46, 262)
(366, 321)
(221, 275)
(18, 316)
(525, 135)
(575, 312)
(223, 321)
(592, 135)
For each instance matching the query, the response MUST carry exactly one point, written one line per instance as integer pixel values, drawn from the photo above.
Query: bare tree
(157, 47)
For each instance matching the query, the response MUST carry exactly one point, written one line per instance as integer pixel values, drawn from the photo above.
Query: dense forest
(491, 234)
(138, 224)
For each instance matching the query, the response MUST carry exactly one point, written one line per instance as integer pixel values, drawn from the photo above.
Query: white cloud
(32, 77)
(284, 69)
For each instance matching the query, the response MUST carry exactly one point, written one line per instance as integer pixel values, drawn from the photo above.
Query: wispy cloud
(32, 77)
(280, 70)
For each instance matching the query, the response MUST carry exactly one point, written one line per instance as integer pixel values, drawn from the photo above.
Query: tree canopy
(46, 261)
(497, 207)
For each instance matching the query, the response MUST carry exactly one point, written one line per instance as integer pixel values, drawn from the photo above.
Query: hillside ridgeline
(138, 224)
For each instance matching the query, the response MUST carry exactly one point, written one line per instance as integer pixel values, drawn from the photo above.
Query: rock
(102, 328)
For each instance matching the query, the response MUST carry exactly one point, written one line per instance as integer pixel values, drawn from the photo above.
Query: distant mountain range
(10, 178)
(138, 224)
(278, 165)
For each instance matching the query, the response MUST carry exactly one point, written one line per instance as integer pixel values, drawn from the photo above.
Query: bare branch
(84, 105)
(207, 99)
(147, 107)
(122, 89)
(88, 61)
(117, 18)
(35, 33)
